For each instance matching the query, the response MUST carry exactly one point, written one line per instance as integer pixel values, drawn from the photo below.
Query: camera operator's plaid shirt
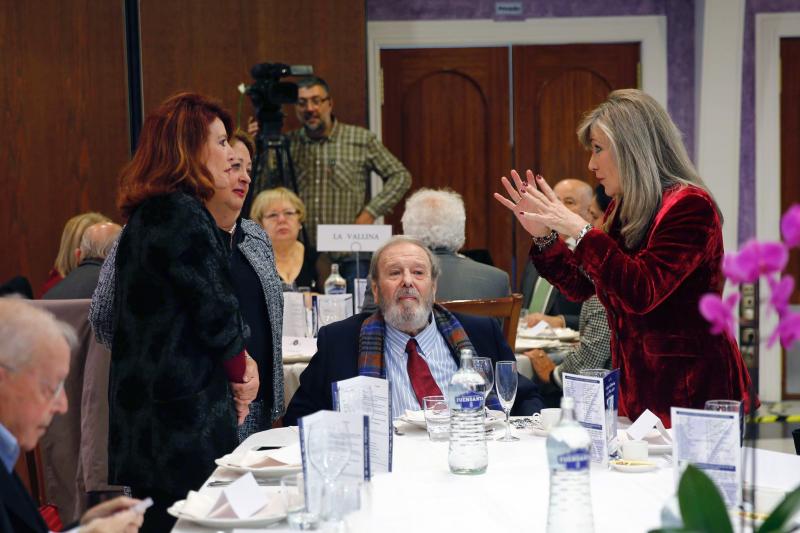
(333, 172)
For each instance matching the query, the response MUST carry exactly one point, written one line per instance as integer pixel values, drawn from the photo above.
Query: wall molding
(770, 28)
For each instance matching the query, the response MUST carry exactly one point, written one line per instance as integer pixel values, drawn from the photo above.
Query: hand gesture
(244, 393)
(112, 516)
(521, 201)
(547, 209)
(542, 364)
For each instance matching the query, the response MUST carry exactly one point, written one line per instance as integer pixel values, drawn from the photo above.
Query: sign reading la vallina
(351, 237)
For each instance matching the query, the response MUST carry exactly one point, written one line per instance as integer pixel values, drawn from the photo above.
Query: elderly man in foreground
(34, 362)
(410, 341)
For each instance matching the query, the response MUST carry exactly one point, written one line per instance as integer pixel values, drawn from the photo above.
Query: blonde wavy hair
(71, 240)
(265, 198)
(649, 153)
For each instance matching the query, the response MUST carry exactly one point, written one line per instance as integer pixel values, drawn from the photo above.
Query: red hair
(170, 147)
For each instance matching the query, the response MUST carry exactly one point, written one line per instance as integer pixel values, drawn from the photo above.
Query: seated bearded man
(410, 341)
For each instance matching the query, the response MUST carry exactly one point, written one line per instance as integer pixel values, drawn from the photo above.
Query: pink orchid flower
(790, 226)
(719, 312)
(780, 292)
(788, 329)
(755, 258)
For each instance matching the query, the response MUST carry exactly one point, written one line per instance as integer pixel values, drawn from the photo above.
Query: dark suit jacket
(177, 319)
(557, 304)
(337, 359)
(18, 512)
(659, 341)
(79, 284)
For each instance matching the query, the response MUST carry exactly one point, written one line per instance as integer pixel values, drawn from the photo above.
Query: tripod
(273, 167)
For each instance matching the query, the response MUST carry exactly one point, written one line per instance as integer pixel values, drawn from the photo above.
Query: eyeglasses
(289, 213)
(50, 392)
(317, 101)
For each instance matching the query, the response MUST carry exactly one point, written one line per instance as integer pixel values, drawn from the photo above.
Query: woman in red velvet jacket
(658, 252)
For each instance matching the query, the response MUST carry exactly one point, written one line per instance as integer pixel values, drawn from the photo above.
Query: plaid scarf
(370, 341)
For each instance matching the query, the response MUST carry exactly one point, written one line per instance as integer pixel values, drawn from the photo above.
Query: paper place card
(540, 329)
(240, 499)
(643, 425)
(294, 315)
(369, 396)
(326, 437)
(352, 237)
(596, 407)
(710, 441)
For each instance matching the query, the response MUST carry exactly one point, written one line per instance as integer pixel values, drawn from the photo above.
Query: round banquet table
(421, 494)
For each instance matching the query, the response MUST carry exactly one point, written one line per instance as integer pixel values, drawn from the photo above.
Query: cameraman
(333, 162)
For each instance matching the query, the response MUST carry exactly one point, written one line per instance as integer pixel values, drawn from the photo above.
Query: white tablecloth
(422, 495)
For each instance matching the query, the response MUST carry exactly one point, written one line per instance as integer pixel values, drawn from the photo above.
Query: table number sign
(596, 406)
(369, 396)
(710, 441)
(352, 237)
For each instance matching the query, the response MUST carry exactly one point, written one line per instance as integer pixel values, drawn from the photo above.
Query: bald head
(98, 239)
(576, 195)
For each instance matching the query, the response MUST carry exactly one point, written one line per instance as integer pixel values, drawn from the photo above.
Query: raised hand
(547, 210)
(520, 201)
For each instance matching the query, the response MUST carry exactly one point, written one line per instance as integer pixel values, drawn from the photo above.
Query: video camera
(268, 93)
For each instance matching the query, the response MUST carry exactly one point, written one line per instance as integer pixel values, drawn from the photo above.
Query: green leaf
(702, 507)
(782, 513)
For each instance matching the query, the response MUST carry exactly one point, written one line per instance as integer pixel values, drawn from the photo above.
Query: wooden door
(790, 185)
(446, 117)
(554, 85)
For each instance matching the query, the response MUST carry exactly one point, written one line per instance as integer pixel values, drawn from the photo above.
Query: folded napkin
(415, 416)
(286, 456)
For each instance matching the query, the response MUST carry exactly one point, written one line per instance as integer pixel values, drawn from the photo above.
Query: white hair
(436, 217)
(23, 327)
(98, 239)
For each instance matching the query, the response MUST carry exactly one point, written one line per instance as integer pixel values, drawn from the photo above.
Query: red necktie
(419, 374)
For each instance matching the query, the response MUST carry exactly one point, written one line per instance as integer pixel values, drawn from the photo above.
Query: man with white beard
(410, 341)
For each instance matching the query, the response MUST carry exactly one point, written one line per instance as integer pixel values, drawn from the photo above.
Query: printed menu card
(596, 406)
(710, 441)
(369, 396)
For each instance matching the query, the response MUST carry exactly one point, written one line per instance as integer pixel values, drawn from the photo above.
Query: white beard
(406, 317)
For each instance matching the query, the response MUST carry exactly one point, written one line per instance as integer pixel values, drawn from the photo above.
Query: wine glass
(483, 366)
(329, 452)
(506, 385)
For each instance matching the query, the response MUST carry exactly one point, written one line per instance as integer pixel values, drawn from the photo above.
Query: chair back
(507, 308)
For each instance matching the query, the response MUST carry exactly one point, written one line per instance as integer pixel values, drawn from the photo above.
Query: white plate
(652, 448)
(263, 472)
(253, 521)
(633, 468)
(492, 418)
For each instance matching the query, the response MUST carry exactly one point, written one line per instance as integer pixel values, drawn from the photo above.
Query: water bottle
(468, 452)
(335, 284)
(569, 454)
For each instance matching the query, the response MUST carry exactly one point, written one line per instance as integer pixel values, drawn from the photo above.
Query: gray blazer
(257, 249)
(465, 279)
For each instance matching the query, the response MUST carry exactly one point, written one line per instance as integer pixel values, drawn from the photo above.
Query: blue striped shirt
(434, 350)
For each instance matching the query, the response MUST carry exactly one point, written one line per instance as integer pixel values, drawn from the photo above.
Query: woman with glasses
(281, 213)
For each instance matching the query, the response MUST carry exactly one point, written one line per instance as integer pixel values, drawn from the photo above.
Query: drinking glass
(506, 385)
(729, 406)
(329, 452)
(437, 417)
(298, 515)
(483, 366)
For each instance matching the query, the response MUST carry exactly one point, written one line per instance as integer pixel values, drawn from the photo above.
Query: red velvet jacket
(660, 342)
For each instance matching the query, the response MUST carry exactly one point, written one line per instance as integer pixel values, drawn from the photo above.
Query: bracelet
(543, 242)
(584, 230)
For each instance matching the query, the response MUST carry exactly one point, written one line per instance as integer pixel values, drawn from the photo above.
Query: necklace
(231, 231)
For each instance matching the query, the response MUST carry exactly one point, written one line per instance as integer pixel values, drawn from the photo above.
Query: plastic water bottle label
(469, 400)
(575, 460)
